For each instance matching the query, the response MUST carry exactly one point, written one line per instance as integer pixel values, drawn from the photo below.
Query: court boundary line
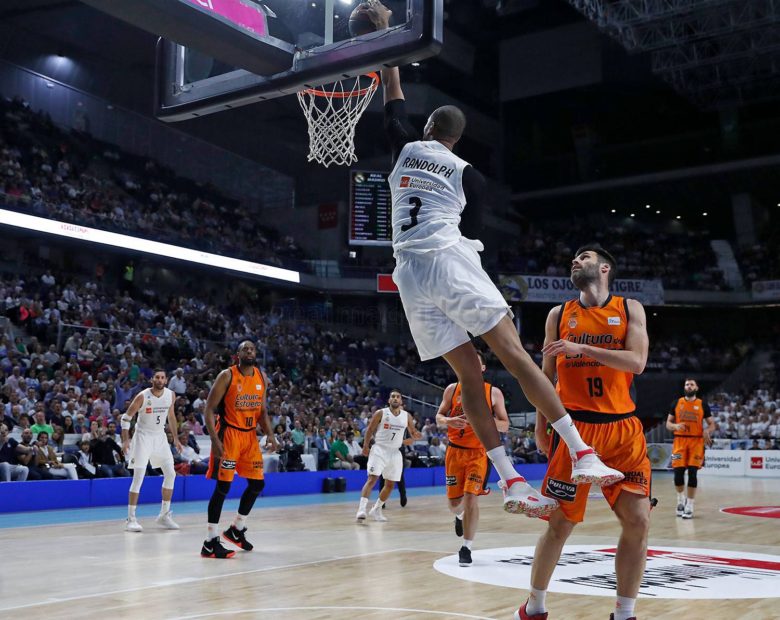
(188, 580)
(332, 607)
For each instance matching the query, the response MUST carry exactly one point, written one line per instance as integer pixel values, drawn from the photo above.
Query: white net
(332, 115)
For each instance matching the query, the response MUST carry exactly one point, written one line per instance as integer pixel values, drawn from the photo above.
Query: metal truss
(704, 48)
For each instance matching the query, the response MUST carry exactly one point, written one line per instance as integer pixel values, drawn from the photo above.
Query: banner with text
(766, 290)
(517, 288)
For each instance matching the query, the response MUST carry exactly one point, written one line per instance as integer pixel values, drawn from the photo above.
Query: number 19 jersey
(426, 185)
(585, 384)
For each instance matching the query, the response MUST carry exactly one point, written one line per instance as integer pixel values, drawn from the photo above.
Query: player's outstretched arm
(442, 419)
(174, 426)
(380, 15)
(216, 394)
(499, 410)
(127, 418)
(370, 430)
(265, 421)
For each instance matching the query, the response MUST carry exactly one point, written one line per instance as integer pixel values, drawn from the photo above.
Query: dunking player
(596, 344)
(384, 457)
(149, 444)
(445, 292)
(466, 464)
(686, 419)
(239, 395)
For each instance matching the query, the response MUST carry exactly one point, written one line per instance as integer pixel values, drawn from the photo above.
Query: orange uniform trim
(585, 384)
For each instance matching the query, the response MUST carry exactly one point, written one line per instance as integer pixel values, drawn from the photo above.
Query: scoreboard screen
(370, 207)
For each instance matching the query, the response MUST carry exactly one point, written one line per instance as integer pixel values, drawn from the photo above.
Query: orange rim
(346, 95)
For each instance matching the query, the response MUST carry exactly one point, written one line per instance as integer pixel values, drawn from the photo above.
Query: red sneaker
(521, 614)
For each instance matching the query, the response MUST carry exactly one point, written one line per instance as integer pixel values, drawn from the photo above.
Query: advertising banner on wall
(554, 289)
(763, 463)
(724, 463)
(766, 290)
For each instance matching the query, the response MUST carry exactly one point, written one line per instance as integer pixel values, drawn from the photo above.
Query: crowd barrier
(58, 494)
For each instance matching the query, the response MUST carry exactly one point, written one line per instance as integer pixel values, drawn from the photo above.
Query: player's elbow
(639, 365)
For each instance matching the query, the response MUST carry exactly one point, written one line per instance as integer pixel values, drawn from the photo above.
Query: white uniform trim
(385, 458)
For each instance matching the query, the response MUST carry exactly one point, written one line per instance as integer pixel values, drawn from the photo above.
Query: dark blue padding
(55, 494)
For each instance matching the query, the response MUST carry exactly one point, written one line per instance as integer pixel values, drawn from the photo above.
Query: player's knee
(255, 487)
(222, 488)
(679, 476)
(560, 529)
(169, 476)
(693, 477)
(636, 520)
(138, 478)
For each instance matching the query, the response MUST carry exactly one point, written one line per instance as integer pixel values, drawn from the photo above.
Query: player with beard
(150, 445)
(686, 420)
(595, 344)
(239, 398)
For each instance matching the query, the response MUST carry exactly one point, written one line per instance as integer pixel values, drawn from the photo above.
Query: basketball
(359, 22)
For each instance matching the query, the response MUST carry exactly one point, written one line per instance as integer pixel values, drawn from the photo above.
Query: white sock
(569, 433)
(240, 521)
(624, 608)
(681, 498)
(378, 504)
(363, 503)
(460, 515)
(213, 530)
(166, 507)
(690, 502)
(467, 543)
(131, 511)
(502, 463)
(536, 602)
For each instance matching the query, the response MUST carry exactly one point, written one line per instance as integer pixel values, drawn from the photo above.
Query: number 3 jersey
(585, 384)
(427, 189)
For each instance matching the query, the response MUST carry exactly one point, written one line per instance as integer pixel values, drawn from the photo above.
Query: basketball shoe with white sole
(376, 514)
(587, 468)
(132, 525)
(522, 614)
(521, 498)
(688, 512)
(166, 521)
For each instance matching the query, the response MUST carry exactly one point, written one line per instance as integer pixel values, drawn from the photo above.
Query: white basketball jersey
(154, 411)
(427, 189)
(390, 433)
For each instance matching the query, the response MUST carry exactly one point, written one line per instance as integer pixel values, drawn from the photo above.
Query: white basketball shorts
(149, 448)
(447, 296)
(385, 461)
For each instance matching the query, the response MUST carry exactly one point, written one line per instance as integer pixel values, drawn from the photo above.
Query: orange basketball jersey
(692, 414)
(585, 384)
(243, 401)
(465, 437)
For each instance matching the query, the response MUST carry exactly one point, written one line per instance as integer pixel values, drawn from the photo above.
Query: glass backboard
(294, 44)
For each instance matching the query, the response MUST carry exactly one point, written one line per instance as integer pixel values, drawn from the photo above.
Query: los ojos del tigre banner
(517, 288)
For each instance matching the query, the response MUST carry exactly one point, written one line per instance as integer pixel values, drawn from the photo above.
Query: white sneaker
(376, 514)
(688, 512)
(522, 498)
(132, 525)
(680, 509)
(166, 520)
(361, 514)
(588, 469)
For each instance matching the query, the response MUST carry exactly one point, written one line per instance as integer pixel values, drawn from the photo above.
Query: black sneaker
(403, 500)
(238, 538)
(458, 527)
(214, 549)
(464, 556)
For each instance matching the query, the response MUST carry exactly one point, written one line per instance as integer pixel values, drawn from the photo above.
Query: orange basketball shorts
(621, 445)
(688, 452)
(465, 471)
(240, 455)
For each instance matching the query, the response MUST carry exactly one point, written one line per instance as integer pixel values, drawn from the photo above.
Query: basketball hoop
(333, 114)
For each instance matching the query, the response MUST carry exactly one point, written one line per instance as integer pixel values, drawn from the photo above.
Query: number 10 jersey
(427, 189)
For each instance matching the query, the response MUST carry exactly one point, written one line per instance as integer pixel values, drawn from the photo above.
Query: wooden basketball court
(313, 562)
